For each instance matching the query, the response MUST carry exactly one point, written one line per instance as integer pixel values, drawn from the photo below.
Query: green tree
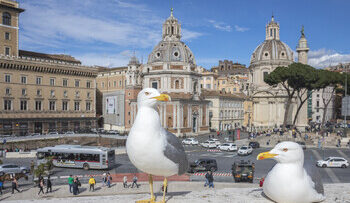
(280, 76)
(302, 78)
(328, 79)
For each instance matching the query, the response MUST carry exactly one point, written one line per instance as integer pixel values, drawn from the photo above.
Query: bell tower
(302, 48)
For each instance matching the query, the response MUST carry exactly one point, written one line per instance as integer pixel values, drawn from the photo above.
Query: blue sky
(107, 32)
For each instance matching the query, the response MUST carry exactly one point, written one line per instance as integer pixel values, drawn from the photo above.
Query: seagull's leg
(153, 198)
(165, 185)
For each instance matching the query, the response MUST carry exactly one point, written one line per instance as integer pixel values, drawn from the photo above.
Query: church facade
(172, 69)
(269, 103)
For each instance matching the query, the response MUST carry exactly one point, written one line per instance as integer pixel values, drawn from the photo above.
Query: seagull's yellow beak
(265, 155)
(163, 97)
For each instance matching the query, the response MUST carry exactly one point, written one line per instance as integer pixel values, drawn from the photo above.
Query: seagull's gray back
(175, 152)
(315, 175)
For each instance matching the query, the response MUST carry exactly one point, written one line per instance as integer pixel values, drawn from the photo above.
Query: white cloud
(123, 24)
(187, 35)
(322, 58)
(241, 29)
(106, 59)
(220, 26)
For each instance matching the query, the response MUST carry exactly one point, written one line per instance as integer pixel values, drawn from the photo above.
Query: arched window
(6, 18)
(177, 84)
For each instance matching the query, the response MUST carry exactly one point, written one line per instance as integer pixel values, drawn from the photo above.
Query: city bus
(77, 156)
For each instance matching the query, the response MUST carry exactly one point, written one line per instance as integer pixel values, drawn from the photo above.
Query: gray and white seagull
(149, 146)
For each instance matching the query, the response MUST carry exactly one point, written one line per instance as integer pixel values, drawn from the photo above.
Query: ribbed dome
(272, 50)
(171, 51)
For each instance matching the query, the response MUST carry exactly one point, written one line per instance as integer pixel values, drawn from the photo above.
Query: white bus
(77, 156)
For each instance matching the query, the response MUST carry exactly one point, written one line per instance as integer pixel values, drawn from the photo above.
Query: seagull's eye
(285, 149)
(147, 93)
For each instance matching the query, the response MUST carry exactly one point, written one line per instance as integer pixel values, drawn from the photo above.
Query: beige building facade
(41, 92)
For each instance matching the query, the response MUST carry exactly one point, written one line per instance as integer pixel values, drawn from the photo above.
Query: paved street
(224, 161)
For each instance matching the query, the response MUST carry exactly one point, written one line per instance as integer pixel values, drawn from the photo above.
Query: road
(224, 161)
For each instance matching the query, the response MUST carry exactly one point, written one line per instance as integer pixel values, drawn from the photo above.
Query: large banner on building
(111, 106)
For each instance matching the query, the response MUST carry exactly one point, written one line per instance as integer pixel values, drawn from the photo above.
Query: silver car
(12, 168)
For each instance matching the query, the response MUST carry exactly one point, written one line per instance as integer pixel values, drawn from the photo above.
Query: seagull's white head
(284, 152)
(149, 97)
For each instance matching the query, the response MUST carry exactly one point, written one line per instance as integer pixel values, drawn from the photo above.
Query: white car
(190, 141)
(228, 147)
(69, 133)
(217, 142)
(245, 150)
(208, 144)
(333, 162)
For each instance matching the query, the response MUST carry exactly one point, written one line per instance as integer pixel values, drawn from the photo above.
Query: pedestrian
(134, 182)
(92, 183)
(32, 165)
(206, 179)
(211, 179)
(261, 182)
(75, 186)
(41, 186)
(14, 185)
(48, 185)
(109, 179)
(79, 183)
(70, 183)
(339, 143)
(125, 182)
(104, 179)
(1, 184)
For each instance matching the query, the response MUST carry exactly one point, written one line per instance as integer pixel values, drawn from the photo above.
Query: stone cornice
(46, 66)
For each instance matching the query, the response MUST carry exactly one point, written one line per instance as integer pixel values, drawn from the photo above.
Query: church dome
(272, 50)
(171, 48)
(171, 51)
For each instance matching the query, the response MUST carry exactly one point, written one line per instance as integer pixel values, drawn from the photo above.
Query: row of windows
(231, 114)
(231, 104)
(114, 84)
(8, 79)
(8, 105)
(52, 93)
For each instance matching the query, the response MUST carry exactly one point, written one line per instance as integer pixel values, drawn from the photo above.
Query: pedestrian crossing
(329, 171)
(219, 154)
(214, 174)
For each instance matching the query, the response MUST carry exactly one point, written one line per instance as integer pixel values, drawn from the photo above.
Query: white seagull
(149, 146)
(288, 181)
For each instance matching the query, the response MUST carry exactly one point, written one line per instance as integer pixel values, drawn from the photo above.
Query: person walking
(206, 179)
(75, 186)
(104, 179)
(32, 165)
(14, 185)
(48, 185)
(41, 186)
(1, 185)
(125, 182)
(109, 179)
(70, 183)
(211, 179)
(92, 183)
(134, 182)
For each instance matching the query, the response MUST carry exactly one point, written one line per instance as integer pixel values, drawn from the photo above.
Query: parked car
(254, 144)
(217, 142)
(203, 165)
(333, 162)
(53, 133)
(113, 132)
(69, 133)
(228, 147)
(12, 168)
(243, 171)
(245, 150)
(35, 134)
(302, 144)
(190, 141)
